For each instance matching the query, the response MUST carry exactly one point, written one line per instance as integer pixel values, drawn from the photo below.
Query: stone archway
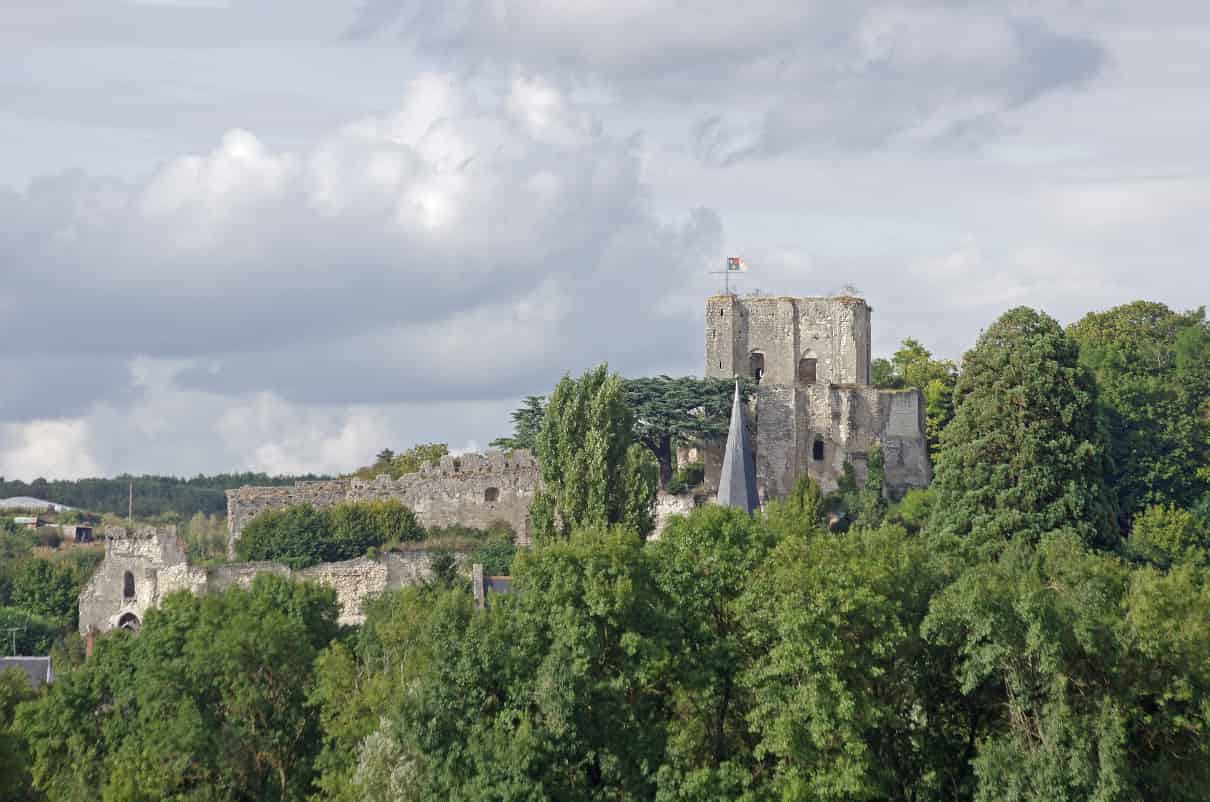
(129, 621)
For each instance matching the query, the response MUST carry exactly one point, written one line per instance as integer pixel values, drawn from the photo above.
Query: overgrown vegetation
(410, 461)
(302, 535)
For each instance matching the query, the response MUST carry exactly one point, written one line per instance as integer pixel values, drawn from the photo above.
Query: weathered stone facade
(814, 408)
(471, 490)
(142, 567)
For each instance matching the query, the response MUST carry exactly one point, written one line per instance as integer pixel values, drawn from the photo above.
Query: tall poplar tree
(1023, 455)
(593, 471)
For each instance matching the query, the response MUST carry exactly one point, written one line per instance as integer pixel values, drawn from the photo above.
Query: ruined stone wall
(157, 561)
(471, 490)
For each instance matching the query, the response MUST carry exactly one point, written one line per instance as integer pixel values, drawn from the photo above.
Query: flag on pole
(736, 265)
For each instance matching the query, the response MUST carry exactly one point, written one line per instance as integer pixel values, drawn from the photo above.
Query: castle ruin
(814, 408)
(143, 566)
(814, 412)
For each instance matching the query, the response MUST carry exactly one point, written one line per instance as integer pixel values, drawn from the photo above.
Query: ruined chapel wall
(156, 561)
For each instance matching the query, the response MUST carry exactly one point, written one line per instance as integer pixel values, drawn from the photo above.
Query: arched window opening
(806, 370)
(491, 494)
(817, 449)
(129, 621)
(756, 363)
(128, 586)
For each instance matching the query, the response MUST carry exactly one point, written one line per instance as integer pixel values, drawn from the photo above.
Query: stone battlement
(471, 489)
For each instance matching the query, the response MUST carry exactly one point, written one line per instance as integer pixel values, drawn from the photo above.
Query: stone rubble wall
(471, 490)
(159, 565)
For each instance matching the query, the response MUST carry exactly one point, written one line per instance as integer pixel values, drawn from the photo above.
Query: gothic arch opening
(129, 621)
(756, 365)
(491, 494)
(817, 449)
(128, 586)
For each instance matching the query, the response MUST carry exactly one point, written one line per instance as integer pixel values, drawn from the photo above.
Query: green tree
(593, 472)
(35, 634)
(208, 702)
(1167, 535)
(703, 563)
(297, 535)
(411, 461)
(686, 410)
(361, 683)
(554, 693)
(300, 535)
(527, 422)
(15, 781)
(1096, 676)
(353, 528)
(47, 589)
(1152, 366)
(849, 701)
(1024, 454)
(803, 513)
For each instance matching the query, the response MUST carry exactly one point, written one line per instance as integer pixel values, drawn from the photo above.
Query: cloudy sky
(282, 234)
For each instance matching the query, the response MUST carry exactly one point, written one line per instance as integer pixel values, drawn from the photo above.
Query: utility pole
(13, 632)
(130, 504)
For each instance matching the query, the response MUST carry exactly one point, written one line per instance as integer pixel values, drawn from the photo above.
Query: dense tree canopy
(1152, 367)
(208, 702)
(1024, 454)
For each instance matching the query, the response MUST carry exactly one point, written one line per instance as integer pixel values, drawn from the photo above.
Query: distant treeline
(153, 495)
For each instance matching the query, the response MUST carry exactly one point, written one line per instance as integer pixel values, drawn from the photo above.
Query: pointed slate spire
(737, 484)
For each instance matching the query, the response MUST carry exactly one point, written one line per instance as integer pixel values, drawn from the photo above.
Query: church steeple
(737, 483)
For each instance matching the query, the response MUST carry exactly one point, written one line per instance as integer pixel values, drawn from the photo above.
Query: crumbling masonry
(472, 490)
(142, 567)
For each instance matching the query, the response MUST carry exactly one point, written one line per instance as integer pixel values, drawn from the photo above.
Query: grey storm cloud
(780, 75)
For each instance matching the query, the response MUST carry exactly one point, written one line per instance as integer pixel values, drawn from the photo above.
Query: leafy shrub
(686, 477)
(302, 535)
(297, 536)
(49, 538)
(46, 589)
(496, 555)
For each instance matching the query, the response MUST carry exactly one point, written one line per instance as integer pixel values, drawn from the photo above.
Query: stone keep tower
(814, 408)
